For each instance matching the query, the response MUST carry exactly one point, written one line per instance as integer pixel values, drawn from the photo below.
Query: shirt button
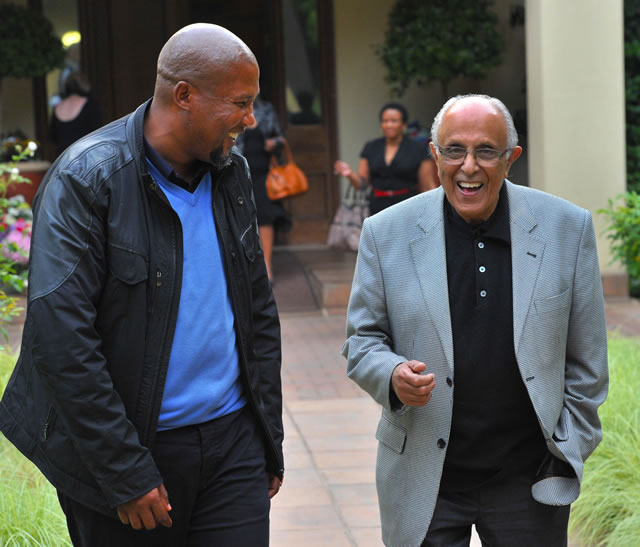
(480, 245)
(449, 381)
(483, 293)
(441, 443)
(482, 269)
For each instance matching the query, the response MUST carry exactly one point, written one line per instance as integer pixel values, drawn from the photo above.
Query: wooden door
(308, 100)
(293, 42)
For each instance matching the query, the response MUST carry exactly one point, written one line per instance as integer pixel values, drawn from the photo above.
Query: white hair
(512, 134)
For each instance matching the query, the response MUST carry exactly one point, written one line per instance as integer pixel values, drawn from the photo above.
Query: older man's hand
(411, 386)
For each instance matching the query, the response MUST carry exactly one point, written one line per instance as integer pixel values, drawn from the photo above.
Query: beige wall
(575, 74)
(361, 89)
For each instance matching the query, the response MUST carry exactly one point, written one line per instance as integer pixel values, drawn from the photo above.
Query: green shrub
(624, 233)
(433, 41)
(608, 509)
(30, 514)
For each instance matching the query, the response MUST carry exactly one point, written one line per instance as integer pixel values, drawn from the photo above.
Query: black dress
(400, 177)
(65, 133)
(251, 144)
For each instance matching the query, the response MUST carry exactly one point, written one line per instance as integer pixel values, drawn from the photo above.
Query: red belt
(389, 193)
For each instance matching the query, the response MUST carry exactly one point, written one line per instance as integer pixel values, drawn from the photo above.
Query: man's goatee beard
(219, 160)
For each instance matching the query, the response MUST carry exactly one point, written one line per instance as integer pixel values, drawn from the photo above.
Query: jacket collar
(134, 128)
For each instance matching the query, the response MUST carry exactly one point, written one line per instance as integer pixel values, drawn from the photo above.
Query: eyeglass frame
(474, 152)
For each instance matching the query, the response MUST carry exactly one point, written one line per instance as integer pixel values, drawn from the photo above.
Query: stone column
(576, 108)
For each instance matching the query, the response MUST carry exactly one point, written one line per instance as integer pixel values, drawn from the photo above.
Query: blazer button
(449, 381)
(441, 443)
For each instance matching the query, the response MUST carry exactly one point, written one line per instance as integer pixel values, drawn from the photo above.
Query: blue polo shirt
(203, 380)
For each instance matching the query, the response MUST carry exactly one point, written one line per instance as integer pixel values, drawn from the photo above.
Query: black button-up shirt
(494, 426)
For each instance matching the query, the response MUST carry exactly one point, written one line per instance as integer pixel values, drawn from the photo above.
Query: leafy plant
(28, 45)
(624, 233)
(11, 276)
(608, 509)
(434, 41)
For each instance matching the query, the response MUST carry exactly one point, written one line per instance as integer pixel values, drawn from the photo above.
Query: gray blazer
(399, 310)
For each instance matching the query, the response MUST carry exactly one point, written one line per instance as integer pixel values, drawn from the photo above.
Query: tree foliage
(632, 90)
(438, 40)
(28, 45)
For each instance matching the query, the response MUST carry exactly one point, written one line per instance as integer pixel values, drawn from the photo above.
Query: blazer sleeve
(368, 349)
(586, 371)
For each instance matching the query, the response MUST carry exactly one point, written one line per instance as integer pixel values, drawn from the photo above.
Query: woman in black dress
(257, 144)
(395, 166)
(76, 115)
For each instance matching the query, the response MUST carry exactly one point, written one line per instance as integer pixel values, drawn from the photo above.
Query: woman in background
(257, 144)
(395, 165)
(76, 115)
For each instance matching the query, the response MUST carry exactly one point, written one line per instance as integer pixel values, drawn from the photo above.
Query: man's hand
(411, 387)
(147, 511)
(274, 485)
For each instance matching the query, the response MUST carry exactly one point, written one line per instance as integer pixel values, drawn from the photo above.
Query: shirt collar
(168, 172)
(496, 226)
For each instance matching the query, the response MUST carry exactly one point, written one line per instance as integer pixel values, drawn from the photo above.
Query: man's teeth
(234, 136)
(470, 185)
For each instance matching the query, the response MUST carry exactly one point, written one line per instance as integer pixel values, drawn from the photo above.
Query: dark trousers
(504, 513)
(215, 476)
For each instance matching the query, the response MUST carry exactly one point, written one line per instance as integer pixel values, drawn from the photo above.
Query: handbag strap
(287, 148)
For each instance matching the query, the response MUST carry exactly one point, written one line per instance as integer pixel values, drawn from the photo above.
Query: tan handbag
(285, 180)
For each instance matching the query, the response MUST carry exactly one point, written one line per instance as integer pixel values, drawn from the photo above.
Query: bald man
(476, 321)
(148, 386)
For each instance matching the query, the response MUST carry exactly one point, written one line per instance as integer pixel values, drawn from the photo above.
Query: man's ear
(182, 94)
(515, 154)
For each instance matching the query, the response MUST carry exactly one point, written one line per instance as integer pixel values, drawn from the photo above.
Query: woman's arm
(358, 180)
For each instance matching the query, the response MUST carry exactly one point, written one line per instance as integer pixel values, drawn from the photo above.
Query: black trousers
(504, 513)
(215, 476)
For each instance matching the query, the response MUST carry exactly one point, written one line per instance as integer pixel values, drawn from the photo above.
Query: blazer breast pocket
(391, 435)
(558, 302)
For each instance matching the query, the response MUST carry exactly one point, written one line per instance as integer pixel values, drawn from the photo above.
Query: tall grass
(29, 511)
(608, 509)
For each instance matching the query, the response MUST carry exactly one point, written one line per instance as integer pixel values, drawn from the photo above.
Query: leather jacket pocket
(391, 435)
(126, 265)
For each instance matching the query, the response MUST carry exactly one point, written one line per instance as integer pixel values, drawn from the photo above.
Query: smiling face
(392, 124)
(220, 112)
(471, 189)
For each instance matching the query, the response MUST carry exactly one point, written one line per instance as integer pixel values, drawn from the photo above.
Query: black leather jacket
(104, 288)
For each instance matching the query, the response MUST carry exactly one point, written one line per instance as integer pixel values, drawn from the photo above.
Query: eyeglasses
(485, 157)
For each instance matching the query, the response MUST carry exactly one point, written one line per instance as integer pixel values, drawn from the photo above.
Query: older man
(148, 386)
(476, 320)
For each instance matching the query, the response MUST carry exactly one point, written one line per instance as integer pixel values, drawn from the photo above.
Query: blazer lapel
(429, 258)
(526, 256)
